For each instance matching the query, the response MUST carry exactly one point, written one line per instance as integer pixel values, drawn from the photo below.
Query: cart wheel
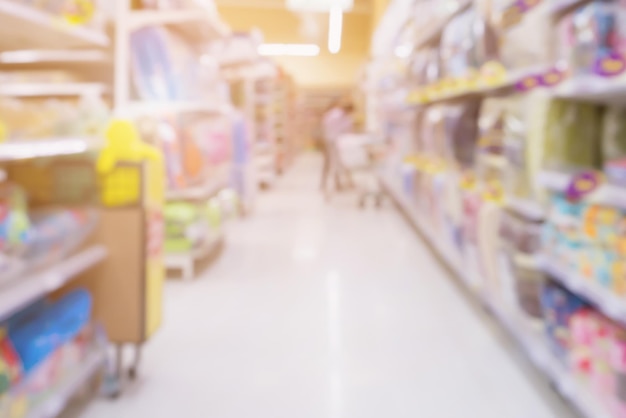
(111, 387)
(132, 373)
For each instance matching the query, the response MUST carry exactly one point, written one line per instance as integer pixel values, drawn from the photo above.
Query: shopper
(337, 121)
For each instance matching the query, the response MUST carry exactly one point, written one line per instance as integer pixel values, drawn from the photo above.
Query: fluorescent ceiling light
(335, 24)
(293, 50)
(319, 6)
(402, 51)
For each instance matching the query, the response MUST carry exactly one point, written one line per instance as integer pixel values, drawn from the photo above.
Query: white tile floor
(322, 311)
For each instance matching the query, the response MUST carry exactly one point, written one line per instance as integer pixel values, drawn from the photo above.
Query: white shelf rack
(156, 108)
(51, 89)
(60, 397)
(52, 147)
(594, 89)
(557, 7)
(531, 344)
(510, 81)
(206, 191)
(435, 32)
(538, 352)
(610, 304)
(453, 262)
(203, 22)
(606, 194)
(185, 261)
(527, 209)
(20, 292)
(53, 56)
(29, 27)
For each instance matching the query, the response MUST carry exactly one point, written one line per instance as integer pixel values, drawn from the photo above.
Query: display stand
(30, 37)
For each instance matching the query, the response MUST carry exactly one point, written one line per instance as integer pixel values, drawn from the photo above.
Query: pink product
(214, 141)
(598, 352)
(471, 210)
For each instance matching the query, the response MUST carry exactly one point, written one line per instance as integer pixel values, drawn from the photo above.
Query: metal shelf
(436, 31)
(198, 23)
(51, 89)
(185, 261)
(65, 56)
(606, 194)
(52, 147)
(29, 27)
(527, 209)
(53, 405)
(22, 291)
(511, 80)
(531, 344)
(607, 302)
(594, 89)
(536, 350)
(206, 191)
(139, 109)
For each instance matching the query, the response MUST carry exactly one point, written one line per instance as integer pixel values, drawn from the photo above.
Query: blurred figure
(338, 120)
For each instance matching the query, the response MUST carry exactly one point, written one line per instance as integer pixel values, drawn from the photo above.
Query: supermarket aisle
(318, 311)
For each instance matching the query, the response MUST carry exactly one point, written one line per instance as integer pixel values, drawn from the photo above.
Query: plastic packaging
(56, 325)
(461, 131)
(572, 136)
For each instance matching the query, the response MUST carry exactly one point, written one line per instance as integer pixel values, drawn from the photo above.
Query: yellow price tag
(79, 12)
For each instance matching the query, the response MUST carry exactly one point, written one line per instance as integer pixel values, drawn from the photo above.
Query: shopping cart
(359, 157)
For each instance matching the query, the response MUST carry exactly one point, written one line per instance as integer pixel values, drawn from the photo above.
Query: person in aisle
(337, 121)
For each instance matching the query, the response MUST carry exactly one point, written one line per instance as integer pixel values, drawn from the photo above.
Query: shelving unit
(610, 304)
(28, 27)
(59, 399)
(185, 262)
(17, 294)
(202, 192)
(31, 38)
(434, 33)
(200, 24)
(143, 109)
(529, 342)
(470, 143)
(483, 88)
(55, 56)
(52, 89)
(607, 194)
(13, 151)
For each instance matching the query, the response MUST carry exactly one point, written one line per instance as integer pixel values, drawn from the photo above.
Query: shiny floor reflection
(321, 310)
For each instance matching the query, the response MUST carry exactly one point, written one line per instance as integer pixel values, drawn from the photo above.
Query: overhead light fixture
(290, 50)
(335, 27)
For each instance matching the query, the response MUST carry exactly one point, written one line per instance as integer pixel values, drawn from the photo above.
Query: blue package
(151, 67)
(57, 324)
(558, 305)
